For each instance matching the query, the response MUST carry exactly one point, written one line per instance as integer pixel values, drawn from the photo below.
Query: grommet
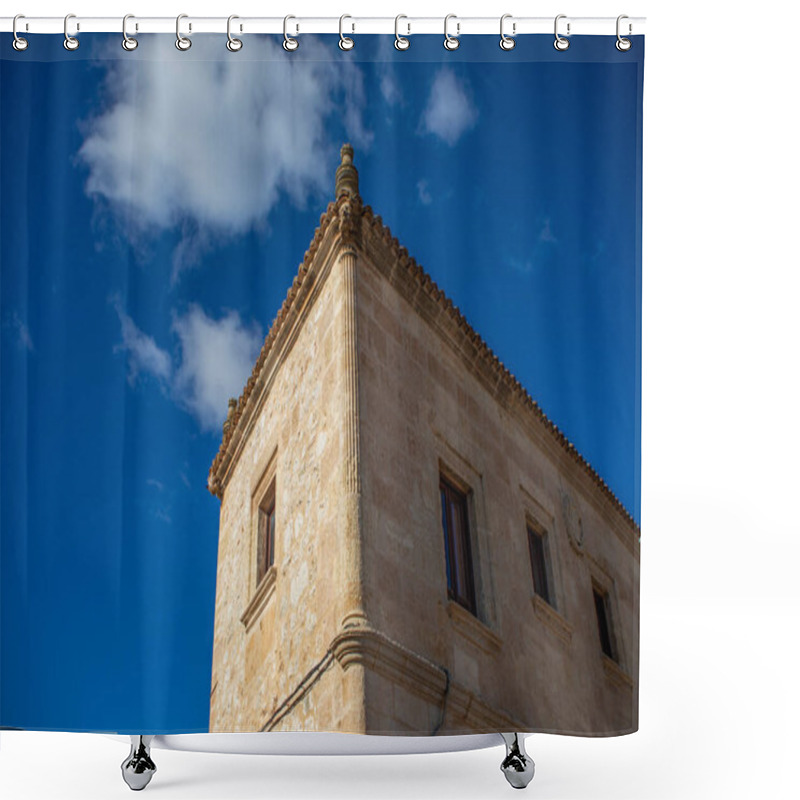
(18, 43)
(289, 44)
(401, 42)
(182, 42)
(451, 42)
(345, 42)
(507, 42)
(70, 42)
(128, 42)
(233, 44)
(560, 43)
(622, 44)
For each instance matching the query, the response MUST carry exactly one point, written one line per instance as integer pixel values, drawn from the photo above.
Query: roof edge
(354, 215)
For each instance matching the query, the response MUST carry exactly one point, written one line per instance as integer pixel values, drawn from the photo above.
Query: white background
(719, 597)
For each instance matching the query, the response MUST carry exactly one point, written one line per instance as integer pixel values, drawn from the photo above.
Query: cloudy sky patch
(216, 358)
(213, 145)
(144, 355)
(211, 362)
(450, 111)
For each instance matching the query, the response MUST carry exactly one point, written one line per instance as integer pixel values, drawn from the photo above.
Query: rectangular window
(604, 623)
(537, 545)
(458, 553)
(266, 537)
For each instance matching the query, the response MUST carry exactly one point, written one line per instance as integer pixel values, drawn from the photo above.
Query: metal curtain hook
(233, 44)
(507, 42)
(451, 42)
(19, 42)
(181, 42)
(70, 42)
(289, 44)
(345, 42)
(622, 44)
(560, 43)
(401, 42)
(128, 42)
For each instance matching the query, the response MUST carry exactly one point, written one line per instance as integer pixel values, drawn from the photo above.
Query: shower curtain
(320, 385)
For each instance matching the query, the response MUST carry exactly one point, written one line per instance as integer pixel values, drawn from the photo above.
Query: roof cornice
(240, 410)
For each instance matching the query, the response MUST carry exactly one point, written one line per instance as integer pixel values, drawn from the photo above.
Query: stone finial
(346, 174)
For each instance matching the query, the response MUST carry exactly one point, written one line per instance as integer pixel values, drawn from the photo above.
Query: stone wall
(425, 409)
(298, 435)
(370, 392)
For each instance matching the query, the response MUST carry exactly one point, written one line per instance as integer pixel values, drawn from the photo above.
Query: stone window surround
(259, 592)
(602, 582)
(538, 514)
(534, 528)
(459, 470)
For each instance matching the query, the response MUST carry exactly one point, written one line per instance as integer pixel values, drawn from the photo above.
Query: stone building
(407, 544)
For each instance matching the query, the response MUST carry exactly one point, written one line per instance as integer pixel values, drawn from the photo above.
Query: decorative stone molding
(264, 591)
(418, 675)
(552, 619)
(376, 651)
(473, 630)
(346, 174)
(616, 674)
(355, 619)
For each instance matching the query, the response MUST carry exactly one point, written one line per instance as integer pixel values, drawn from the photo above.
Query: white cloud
(144, 355)
(424, 193)
(449, 112)
(390, 89)
(216, 358)
(212, 361)
(23, 332)
(215, 143)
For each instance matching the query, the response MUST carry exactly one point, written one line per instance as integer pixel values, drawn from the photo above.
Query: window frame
(265, 539)
(263, 495)
(261, 583)
(537, 532)
(601, 599)
(451, 492)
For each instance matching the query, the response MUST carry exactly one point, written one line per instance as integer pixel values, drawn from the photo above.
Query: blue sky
(154, 207)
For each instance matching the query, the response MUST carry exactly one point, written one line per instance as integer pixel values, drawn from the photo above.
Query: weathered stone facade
(369, 387)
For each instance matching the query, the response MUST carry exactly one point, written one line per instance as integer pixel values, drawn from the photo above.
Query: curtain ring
(401, 42)
(507, 42)
(128, 42)
(561, 43)
(345, 42)
(70, 42)
(451, 42)
(622, 44)
(289, 44)
(181, 42)
(233, 44)
(19, 43)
